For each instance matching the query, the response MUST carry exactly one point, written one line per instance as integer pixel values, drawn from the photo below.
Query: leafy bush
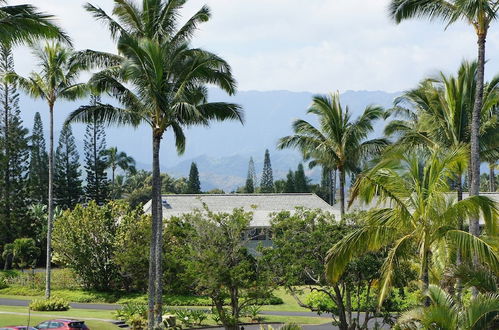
(396, 301)
(137, 322)
(291, 326)
(51, 304)
(62, 279)
(3, 283)
(253, 312)
(129, 310)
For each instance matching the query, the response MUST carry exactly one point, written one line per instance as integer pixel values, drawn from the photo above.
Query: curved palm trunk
(155, 259)
(492, 178)
(50, 204)
(475, 127)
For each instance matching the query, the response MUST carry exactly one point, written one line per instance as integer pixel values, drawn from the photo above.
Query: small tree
(220, 264)
(97, 188)
(290, 183)
(251, 178)
(297, 258)
(38, 176)
(25, 253)
(267, 183)
(301, 181)
(193, 184)
(84, 240)
(67, 183)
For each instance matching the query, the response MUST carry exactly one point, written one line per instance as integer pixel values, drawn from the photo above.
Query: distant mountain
(223, 150)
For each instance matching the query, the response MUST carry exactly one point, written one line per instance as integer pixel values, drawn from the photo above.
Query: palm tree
(444, 313)
(7, 253)
(159, 79)
(415, 215)
(24, 23)
(56, 80)
(338, 142)
(438, 113)
(479, 14)
(115, 160)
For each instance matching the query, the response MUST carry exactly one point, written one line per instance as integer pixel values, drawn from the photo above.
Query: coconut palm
(479, 14)
(339, 142)
(56, 80)
(115, 160)
(159, 80)
(438, 113)
(444, 313)
(25, 23)
(415, 215)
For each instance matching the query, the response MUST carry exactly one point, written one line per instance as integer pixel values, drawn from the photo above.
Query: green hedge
(49, 305)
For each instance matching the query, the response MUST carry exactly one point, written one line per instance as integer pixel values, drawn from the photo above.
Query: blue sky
(298, 45)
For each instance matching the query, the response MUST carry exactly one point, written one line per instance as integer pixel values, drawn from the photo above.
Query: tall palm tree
(56, 80)
(339, 142)
(115, 160)
(415, 215)
(479, 14)
(159, 80)
(25, 23)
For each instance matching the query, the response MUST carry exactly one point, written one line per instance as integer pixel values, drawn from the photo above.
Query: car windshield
(77, 325)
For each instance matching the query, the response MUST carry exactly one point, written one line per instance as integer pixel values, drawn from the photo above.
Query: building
(262, 206)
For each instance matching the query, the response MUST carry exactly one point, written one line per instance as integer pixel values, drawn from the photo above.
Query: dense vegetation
(420, 257)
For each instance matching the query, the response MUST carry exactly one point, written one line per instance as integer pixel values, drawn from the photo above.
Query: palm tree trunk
(425, 277)
(475, 128)
(155, 259)
(341, 169)
(459, 284)
(492, 177)
(50, 203)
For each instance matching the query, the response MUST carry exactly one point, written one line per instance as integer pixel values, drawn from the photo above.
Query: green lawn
(86, 313)
(11, 319)
(8, 319)
(289, 305)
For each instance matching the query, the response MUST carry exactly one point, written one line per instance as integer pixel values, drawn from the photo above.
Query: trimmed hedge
(49, 305)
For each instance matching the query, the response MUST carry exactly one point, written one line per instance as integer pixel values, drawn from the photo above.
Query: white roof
(262, 205)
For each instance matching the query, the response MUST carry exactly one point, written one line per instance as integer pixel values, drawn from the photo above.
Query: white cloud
(313, 45)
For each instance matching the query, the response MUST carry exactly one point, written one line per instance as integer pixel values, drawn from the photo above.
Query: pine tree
(67, 183)
(301, 182)
(97, 188)
(251, 178)
(193, 184)
(14, 155)
(267, 183)
(38, 177)
(290, 183)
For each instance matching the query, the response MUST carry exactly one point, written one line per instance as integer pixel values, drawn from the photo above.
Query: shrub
(3, 283)
(253, 312)
(291, 326)
(137, 322)
(51, 304)
(129, 310)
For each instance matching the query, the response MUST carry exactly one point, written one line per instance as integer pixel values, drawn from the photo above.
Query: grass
(86, 313)
(12, 319)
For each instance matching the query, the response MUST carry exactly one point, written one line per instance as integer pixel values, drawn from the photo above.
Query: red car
(19, 327)
(63, 324)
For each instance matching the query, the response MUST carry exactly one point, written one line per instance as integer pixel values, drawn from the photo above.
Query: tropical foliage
(415, 217)
(339, 142)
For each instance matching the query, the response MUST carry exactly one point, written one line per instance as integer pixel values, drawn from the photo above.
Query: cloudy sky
(298, 45)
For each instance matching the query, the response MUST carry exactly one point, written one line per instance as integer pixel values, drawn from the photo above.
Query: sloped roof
(260, 204)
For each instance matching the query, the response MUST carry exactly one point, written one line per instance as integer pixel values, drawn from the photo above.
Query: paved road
(21, 302)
